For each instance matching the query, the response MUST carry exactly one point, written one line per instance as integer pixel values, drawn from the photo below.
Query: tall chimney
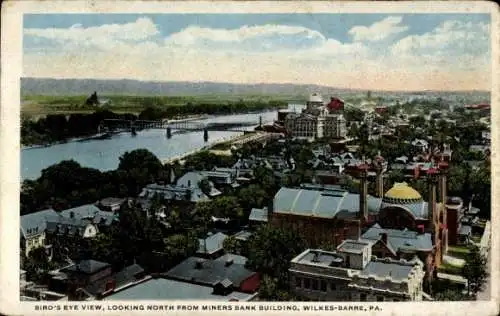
(379, 184)
(363, 191)
(443, 182)
(431, 177)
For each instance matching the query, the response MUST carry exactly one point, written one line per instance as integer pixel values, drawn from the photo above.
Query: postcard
(249, 157)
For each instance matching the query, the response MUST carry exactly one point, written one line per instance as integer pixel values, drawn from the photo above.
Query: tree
(252, 196)
(450, 295)
(474, 270)
(141, 159)
(231, 245)
(270, 252)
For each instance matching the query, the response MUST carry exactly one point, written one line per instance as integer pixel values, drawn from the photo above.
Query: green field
(39, 105)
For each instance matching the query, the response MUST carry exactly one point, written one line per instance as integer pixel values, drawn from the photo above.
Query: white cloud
(141, 29)
(454, 43)
(378, 30)
(265, 53)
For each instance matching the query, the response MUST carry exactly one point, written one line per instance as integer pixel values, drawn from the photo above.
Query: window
(315, 285)
(333, 286)
(298, 282)
(307, 283)
(396, 300)
(362, 297)
(323, 286)
(380, 298)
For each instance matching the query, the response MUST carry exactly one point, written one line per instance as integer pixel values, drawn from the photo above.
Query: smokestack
(431, 177)
(363, 186)
(379, 183)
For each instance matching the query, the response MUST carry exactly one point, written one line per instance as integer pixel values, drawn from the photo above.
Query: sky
(357, 51)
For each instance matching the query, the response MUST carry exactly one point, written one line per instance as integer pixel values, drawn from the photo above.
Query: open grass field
(40, 105)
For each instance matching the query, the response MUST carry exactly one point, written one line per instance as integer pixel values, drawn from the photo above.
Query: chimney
(363, 186)
(443, 171)
(71, 214)
(431, 177)
(380, 180)
(384, 237)
(198, 264)
(229, 262)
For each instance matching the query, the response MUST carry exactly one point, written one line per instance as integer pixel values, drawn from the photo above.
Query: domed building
(403, 206)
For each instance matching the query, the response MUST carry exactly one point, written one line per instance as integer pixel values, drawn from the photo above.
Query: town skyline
(391, 52)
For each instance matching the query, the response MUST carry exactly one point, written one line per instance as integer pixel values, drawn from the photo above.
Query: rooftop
(258, 214)
(397, 270)
(402, 191)
(325, 203)
(353, 246)
(35, 223)
(164, 289)
(87, 267)
(400, 239)
(208, 272)
(212, 243)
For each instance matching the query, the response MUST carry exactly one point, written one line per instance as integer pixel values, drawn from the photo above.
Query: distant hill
(46, 86)
(42, 86)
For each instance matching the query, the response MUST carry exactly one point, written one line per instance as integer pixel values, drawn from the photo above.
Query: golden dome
(402, 191)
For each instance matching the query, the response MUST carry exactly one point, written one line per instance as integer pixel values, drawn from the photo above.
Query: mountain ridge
(52, 86)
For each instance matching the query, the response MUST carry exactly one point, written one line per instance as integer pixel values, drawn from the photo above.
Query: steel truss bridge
(117, 125)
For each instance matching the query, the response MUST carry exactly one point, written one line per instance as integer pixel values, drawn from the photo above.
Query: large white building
(315, 121)
(352, 274)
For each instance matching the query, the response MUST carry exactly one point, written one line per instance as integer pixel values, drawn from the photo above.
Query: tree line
(61, 127)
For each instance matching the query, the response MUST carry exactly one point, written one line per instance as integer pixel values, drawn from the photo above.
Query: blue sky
(330, 49)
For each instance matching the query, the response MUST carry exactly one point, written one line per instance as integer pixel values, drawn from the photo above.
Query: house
(229, 275)
(194, 180)
(212, 246)
(184, 195)
(92, 213)
(33, 228)
(351, 273)
(58, 225)
(91, 279)
(161, 289)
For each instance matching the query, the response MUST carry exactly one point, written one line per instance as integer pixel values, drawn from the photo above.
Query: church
(326, 215)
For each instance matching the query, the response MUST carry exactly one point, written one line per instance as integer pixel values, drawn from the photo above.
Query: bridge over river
(109, 126)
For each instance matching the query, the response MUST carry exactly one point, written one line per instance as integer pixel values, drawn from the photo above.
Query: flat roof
(165, 289)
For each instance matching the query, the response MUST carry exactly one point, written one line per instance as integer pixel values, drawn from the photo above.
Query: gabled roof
(64, 225)
(123, 277)
(35, 223)
(90, 211)
(400, 239)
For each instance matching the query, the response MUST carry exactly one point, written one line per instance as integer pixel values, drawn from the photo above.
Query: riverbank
(227, 143)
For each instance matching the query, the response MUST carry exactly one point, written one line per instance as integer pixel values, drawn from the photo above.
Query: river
(104, 154)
